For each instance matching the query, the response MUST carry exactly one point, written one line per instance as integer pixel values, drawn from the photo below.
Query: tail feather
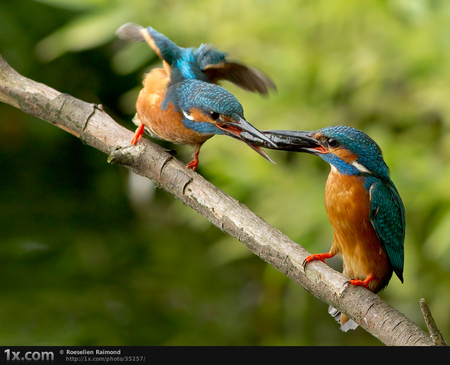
(346, 323)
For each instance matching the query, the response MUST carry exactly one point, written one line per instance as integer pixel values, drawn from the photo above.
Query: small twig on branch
(95, 128)
(435, 334)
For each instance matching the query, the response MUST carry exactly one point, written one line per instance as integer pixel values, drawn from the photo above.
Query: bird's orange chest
(163, 123)
(346, 202)
(348, 206)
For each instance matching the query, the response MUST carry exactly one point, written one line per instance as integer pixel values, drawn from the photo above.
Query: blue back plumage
(187, 66)
(387, 212)
(185, 63)
(207, 55)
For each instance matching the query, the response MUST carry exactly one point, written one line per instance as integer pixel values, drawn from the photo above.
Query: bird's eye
(332, 142)
(214, 115)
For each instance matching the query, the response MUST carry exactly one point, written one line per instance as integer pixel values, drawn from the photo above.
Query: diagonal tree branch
(94, 127)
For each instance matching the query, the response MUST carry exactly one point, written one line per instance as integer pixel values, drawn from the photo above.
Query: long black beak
(237, 129)
(296, 141)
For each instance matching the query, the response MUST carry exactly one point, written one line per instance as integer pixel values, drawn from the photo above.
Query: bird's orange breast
(163, 123)
(348, 206)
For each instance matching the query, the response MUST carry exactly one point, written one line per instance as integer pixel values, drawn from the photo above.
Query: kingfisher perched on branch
(181, 102)
(362, 203)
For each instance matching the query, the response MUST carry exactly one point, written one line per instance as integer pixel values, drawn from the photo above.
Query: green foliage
(90, 256)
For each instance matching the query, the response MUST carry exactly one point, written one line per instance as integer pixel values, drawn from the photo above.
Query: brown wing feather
(247, 78)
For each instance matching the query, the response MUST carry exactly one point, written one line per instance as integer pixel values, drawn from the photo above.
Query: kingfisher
(362, 203)
(182, 103)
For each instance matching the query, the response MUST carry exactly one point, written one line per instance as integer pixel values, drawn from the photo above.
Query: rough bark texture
(95, 128)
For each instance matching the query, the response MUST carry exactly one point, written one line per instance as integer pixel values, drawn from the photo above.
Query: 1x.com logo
(29, 355)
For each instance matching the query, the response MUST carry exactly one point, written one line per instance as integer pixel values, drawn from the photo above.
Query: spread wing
(387, 215)
(216, 67)
(206, 60)
(163, 46)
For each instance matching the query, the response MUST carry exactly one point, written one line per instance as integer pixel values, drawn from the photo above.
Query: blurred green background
(91, 254)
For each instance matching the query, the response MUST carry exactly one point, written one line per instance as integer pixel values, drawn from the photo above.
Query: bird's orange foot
(364, 283)
(317, 256)
(194, 163)
(137, 136)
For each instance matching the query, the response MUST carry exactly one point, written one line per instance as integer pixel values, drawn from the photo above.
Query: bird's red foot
(137, 136)
(194, 163)
(364, 283)
(317, 256)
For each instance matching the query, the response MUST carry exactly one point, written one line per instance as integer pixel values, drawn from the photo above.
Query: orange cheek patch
(199, 116)
(344, 155)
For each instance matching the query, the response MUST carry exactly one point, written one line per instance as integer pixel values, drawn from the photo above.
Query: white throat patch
(360, 167)
(187, 116)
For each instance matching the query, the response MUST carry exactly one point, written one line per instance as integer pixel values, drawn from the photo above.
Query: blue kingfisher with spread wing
(182, 103)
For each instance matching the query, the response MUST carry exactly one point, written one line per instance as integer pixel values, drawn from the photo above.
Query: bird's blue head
(349, 150)
(210, 109)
